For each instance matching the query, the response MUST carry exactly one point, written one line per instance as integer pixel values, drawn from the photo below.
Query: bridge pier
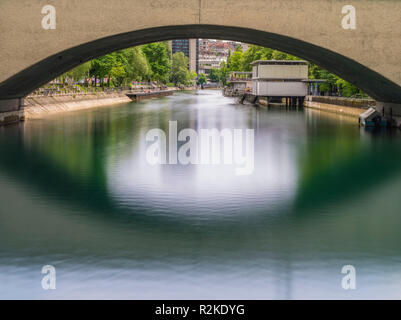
(391, 112)
(11, 111)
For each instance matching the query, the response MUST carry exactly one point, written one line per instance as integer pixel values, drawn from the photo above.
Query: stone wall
(346, 102)
(39, 106)
(349, 111)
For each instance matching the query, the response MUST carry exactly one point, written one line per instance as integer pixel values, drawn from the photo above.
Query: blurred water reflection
(77, 193)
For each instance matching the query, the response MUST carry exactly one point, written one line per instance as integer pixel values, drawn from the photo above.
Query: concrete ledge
(345, 102)
(149, 95)
(349, 111)
(11, 117)
(39, 107)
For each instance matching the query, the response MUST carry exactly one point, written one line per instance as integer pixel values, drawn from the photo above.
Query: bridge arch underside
(374, 84)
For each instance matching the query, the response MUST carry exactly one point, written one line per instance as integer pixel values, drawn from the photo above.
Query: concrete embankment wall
(346, 106)
(346, 102)
(39, 106)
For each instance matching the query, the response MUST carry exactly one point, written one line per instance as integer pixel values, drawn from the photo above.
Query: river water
(77, 193)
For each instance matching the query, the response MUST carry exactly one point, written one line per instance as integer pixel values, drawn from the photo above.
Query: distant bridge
(363, 48)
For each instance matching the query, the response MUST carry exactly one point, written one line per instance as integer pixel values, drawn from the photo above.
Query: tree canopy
(241, 61)
(159, 60)
(202, 79)
(150, 62)
(179, 71)
(154, 62)
(138, 67)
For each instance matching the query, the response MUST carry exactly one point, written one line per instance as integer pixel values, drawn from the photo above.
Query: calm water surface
(76, 192)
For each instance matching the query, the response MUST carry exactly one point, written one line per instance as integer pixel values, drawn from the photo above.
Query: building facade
(280, 78)
(205, 54)
(213, 52)
(190, 48)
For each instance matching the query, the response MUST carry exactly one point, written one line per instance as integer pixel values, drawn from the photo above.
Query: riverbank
(40, 106)
(346, 106)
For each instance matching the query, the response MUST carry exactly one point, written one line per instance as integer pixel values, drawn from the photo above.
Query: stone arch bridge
(367, 54)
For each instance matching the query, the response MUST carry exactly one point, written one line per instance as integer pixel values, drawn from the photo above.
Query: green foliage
(80, 72)
(124, 66)
(252, 54)
(193, 75)
(154, 62)
(235, 61)
(137, 67)
(102, 66)
(202, 79)
(215, 75)
(179, 70)
(334, 83)
(349, 90)
(223, 73)
(158, 57)
(241, 61)
(117, 73)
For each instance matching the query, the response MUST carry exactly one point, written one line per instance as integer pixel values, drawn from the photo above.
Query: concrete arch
(27, 80)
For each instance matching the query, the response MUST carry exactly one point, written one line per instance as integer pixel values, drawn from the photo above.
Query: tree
(78, 73)
(102, 66)
(158, 57)
(277, 55)
(252, 54)
(168, 49)
(117, 73)
(349, 90)
(202, 79)
(223, 71)
(215, 75)
(255, 53)
(155, 62)
(137, 68)
(333, 83)
(193, 75)
(179, 70)
(235, 61)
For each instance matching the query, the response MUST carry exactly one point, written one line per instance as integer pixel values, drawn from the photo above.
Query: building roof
(280, 62)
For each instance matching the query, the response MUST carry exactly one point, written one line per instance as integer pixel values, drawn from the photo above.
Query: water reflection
(200, 191)
(76, 192)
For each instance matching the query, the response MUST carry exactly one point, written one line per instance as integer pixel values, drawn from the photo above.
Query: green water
(77, 193)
